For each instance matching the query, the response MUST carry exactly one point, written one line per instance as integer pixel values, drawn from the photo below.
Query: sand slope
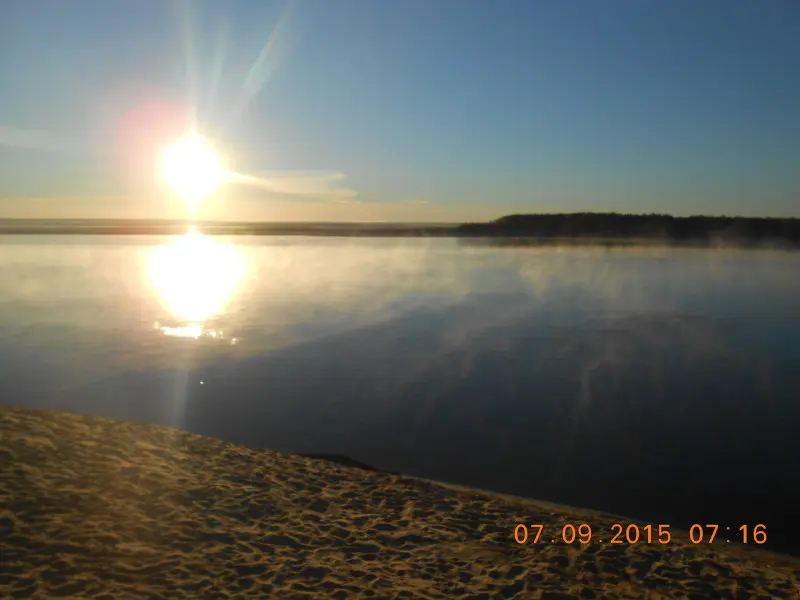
(94, 508)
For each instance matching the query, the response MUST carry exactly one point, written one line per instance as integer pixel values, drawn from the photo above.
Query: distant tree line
(617, 225)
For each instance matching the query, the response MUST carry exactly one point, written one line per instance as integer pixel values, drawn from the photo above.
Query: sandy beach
(96, 508)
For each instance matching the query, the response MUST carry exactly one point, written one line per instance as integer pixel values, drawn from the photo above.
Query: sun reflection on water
(195, 278)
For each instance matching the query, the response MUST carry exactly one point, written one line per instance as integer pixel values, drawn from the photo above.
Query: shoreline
(483, 238)
(126, 508)
(322, 229)
(486, 241)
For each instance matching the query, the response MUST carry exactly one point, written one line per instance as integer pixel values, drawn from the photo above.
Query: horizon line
(190, 221)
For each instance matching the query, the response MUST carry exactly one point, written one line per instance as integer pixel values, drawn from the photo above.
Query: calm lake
(657, 383)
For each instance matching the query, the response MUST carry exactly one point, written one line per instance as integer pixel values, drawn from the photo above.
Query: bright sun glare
(195, 277)
(192, 168)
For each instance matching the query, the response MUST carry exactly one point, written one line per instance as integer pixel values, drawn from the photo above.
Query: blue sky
(421, 110)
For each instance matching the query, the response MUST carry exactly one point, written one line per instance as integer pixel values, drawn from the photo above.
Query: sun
(192, 168)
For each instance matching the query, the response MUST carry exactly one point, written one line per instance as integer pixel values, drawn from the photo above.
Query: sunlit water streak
(195, 276)
(633, 380)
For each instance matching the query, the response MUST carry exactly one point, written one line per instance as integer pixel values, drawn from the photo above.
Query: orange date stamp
(636, 533)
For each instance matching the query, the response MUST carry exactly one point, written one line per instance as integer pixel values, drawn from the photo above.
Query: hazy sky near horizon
(412, 110)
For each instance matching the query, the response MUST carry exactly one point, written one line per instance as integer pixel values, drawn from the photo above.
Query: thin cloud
(31, 139)
(319, 185)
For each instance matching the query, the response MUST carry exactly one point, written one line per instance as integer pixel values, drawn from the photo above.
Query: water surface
(657, 383)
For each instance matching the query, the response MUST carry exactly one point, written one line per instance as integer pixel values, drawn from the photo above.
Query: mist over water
(657, 383)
